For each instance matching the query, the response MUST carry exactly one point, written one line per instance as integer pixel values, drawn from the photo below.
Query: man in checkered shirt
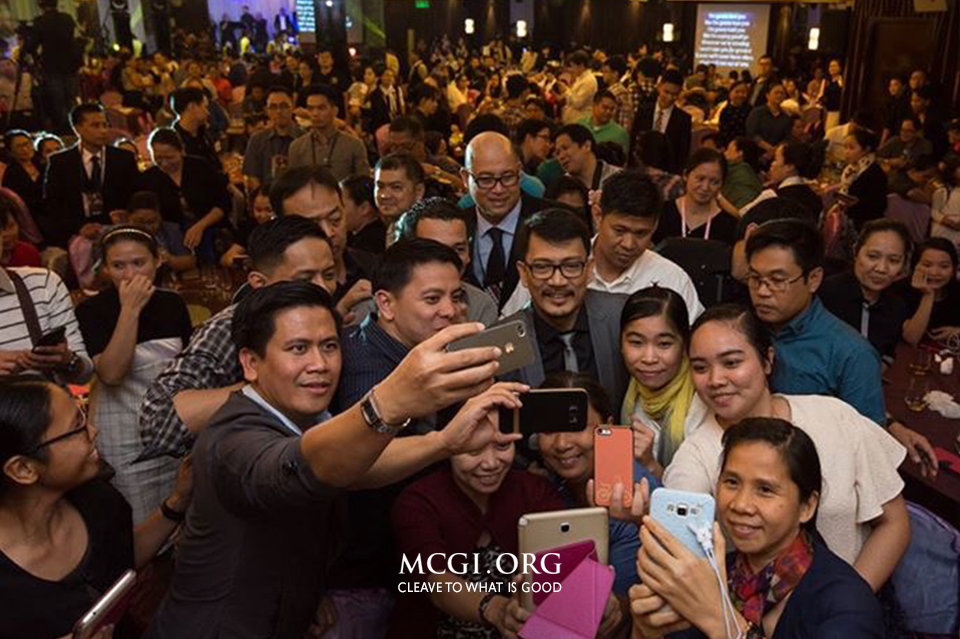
(197, 383)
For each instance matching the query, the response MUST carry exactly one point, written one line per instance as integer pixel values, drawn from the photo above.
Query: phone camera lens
(522, 330)
(682, 511)
(564, 527)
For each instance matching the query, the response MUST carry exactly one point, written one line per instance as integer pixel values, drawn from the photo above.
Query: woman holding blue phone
(782, 580)
(863, 517)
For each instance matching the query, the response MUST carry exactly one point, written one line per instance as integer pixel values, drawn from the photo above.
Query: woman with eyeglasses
(863, 517)
(132, 330)
(66, 535)
(783, 580)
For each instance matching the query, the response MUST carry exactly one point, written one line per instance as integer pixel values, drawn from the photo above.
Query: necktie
(95, 176)
(497, 262)
(658, 125)
(569, 355)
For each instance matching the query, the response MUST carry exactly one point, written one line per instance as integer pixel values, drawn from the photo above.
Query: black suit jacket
(379, 109)
(63, 215)
(678, 135)
(529, 205)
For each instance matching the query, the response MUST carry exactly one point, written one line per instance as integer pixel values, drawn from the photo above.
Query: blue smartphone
(682, 513)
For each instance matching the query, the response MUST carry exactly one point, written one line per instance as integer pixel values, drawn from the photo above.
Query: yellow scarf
(675, 397)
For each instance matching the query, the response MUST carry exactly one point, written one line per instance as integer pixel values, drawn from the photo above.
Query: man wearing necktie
(85, 182)
(572, 328)
(664, 116)
(492, 174)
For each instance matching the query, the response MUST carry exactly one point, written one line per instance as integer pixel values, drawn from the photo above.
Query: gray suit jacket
(603, 314)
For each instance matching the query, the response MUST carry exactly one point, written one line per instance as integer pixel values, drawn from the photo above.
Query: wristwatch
(371, 415)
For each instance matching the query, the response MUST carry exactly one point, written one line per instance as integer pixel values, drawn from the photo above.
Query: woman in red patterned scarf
(782, 579)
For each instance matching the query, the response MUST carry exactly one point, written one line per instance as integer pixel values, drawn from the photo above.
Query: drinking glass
(921, 362)
(917, 393)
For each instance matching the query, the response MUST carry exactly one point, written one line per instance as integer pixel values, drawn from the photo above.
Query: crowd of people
(286, 451)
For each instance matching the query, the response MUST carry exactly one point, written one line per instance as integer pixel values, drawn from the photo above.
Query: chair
(914, 215)
(707, 262)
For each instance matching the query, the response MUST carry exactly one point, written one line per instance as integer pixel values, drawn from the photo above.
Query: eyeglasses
(487, 182)
(82, 428)
(545, 270)
(774, 284)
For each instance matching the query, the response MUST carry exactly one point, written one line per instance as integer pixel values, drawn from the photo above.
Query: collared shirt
(484, 244)
(551, 346)
(880, 322)
(648, 269)
(266, 154)
(54, 308)
(369, 355)
(664, 119)
(88, 162)
(93, 199)
(819, 354)
(609, 132)
(625, 106)
(209, 361)
(343, 154)
(763, 125)
(580, 97)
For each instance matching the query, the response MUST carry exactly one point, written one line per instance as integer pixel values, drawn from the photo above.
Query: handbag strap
(27, 307)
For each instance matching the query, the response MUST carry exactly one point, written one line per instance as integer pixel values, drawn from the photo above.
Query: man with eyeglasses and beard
(492, 175)
(573, 328)
(266, 154)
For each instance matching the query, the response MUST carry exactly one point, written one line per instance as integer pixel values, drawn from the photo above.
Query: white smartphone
(545, 531)
(108, 609)
(683, 514)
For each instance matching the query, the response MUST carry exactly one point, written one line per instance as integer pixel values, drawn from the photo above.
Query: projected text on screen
(731, 36)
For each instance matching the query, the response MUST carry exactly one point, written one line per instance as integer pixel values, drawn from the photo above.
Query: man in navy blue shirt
(816, 352)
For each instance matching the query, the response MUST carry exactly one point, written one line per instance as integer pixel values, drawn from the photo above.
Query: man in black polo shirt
(192, 108)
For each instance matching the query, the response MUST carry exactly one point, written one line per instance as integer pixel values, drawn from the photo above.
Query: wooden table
(210, 288)
(941, 495)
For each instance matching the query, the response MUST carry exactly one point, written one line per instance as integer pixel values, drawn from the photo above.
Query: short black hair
(144, 200)
(424, 92)
(396, 266)
(554, 226)
(516, 85)
(360, 189)
(431, 208)
(706, 156)
(254, 320)
(279, 88)
(672, 76)
(799, 237)
(649, 67)
(184, 97)
(631, 193)
(617, 63)
(532, 127)
(483, 123)
(751, 151)
(326, 91)
(268, 242)
(294, 179)
(578, 134)
(24, 418)
(165, 135)
(603, 93)
(797, 155)
(580, 58)
(866, 139)
(79, 112)
(12, 134)
(405, 124)
(409, 164)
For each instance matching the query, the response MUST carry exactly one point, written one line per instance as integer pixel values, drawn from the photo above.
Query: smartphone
(544, 531)
(512, 339)
(109, 608)
(612, 464)
(547, 410)
(682, 514)
(53, 337)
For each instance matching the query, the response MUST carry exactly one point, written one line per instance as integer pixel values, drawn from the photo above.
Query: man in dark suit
(664, 116)
(572, 328)
(85, 182)
(492, 175)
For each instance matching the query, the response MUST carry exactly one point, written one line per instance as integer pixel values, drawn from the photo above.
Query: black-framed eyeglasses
(82, 428)
(545, 270)
(776, 284)
(487, 182)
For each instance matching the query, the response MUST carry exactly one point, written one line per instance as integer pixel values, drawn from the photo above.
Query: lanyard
(683, 221)
(332, 146)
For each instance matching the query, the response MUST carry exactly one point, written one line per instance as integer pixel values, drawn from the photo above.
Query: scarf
(755, 594)
(852, 171)
(674, 398)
